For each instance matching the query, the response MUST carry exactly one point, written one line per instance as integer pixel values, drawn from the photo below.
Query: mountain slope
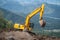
(12, 16)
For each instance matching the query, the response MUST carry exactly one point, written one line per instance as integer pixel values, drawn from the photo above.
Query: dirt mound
(17, 35)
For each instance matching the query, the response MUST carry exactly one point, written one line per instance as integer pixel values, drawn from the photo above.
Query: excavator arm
(40, 9)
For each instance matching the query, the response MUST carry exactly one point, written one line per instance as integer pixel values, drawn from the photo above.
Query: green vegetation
(4, 23)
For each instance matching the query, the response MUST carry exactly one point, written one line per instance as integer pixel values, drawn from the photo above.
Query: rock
(16, 35)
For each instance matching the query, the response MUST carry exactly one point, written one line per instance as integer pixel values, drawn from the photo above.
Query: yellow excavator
(27, 25)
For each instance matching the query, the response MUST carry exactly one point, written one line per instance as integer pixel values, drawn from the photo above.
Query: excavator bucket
(42, 23)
